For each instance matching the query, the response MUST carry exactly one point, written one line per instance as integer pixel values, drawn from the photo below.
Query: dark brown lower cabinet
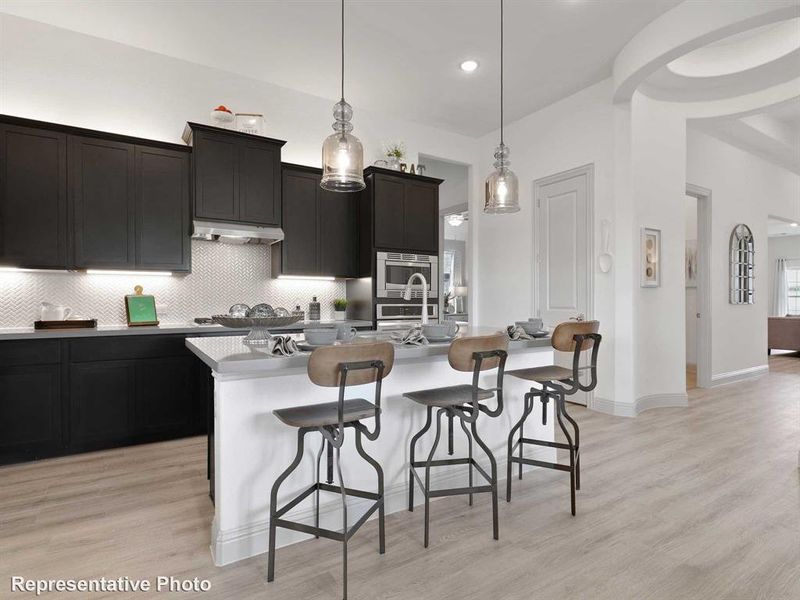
(62, 397)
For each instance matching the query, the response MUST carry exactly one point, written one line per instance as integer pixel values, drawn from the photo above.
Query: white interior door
(563, 229)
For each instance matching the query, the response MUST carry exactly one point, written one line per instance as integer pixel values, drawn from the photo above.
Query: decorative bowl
(259, 326)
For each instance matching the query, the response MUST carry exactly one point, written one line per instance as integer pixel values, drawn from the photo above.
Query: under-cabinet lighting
(136, 273)
(22, 270)
(307, 278)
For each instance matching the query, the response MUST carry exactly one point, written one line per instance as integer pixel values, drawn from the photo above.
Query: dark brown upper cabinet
(33, 197)
(237, 176)
(73, 198)
(403, 210)
(320, 227)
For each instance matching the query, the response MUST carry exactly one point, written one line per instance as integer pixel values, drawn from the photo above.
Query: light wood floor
(678, 504)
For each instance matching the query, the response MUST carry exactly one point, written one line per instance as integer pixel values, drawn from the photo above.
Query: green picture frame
(140, 310)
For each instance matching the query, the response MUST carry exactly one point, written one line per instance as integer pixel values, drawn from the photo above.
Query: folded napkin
(412, 337)
(517, 333)
(282, 345)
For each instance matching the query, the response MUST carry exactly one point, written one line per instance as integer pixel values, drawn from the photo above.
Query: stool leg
(559, 401)
(316, 494)
(577, 446)
(493, 463)
(273, 502)
(414, 439)
(469, 438)
(344, 523)
(439, 414)
(379, 471)
(527, 408)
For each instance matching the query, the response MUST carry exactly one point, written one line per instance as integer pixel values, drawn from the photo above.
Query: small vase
(393, 163)
(339, 315)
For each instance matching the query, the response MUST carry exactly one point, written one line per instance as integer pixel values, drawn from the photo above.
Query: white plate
(444, 338)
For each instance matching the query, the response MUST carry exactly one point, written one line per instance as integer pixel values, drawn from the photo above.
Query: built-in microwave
(394, 269)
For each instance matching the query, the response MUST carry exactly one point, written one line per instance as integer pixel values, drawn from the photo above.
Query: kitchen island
(251, 447)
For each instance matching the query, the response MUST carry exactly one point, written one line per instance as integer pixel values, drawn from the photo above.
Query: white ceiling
(403, 56)
(779, 228)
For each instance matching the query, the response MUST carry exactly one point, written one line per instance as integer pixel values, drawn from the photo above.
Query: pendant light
(342, 152)
(502, 186)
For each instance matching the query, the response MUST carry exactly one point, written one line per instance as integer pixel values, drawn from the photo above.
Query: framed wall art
(651, 257)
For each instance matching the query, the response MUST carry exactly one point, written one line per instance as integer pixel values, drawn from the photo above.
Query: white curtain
(780, 293)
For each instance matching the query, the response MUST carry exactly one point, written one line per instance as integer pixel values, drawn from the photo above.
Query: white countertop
(28, 333)
(228, 355)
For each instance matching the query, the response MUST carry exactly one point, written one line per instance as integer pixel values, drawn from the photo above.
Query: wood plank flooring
(677, 504)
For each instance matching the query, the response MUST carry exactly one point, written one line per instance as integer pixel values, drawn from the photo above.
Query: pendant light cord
(342, 50)
(501, 72)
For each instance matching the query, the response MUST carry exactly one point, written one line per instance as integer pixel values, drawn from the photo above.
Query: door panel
(421, 217)
(103, 197)
(216, 172)
(162, 209)
(33, 198)
(299, 251)
(101, 399)
(259, 184)
(164, 394)
(389, 213)
(337, 233)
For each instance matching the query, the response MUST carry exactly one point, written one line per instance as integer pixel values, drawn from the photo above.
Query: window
(448, 272)
(793, 291)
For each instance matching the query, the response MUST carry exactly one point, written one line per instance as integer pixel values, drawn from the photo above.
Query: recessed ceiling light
(468, 66)
(792, 224)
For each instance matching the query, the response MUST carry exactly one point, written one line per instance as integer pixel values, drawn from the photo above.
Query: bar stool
(336, 366)
(475, 354)
(557, 383)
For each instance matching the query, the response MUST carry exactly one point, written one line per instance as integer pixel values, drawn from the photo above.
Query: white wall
(573, 132)
(62, 76)
(455, 189)
(787, 246)
(745, 189)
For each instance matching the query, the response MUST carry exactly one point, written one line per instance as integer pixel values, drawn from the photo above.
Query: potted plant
(339, 308)
(395, 151)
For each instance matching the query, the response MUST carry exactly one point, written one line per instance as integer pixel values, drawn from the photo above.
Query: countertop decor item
(259, 326)
(252, 123)
(66, 324)
(221, 116)
(282, 345)
(313, 309)
(51, 312)
(412, 337)
(140, 309)
(651, 257)
(339, 309)
(605, 260)
(742, 257)
(342, 152)
(395, 152)
(502, 186)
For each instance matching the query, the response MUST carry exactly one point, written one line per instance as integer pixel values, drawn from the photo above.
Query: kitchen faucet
(407, 294)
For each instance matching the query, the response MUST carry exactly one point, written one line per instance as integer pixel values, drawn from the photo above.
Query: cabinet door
(101, 400)
(162, 209)
(30, 412)
(165, 395)
(216, 177)
(388, 213)
(299, 248)
(421, 217)
(259, 184)
(338, 238)
(33, 198)
(101, 175)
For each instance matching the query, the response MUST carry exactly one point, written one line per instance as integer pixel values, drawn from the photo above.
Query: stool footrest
(459, 491)
(541, 463)
(559, 445)
(330, 533)
(451, 491)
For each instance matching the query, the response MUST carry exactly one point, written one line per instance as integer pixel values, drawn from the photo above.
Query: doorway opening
(697, 207)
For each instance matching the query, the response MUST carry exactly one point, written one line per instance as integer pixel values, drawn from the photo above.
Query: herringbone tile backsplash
(222, 275)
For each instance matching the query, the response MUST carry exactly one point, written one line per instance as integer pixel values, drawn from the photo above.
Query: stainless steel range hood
(236, 233)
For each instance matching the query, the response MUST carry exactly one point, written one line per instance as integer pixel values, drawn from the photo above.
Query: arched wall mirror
(742, 265)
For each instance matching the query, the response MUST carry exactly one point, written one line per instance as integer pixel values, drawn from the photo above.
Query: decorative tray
(259, 326)
(69, 324)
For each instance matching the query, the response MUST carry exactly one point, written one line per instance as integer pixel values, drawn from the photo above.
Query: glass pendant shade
(342, 154)
(502, 185)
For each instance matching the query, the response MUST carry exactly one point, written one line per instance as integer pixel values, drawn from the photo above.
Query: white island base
(251, 447)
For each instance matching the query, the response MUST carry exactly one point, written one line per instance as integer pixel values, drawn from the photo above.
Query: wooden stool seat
(543, 374)
(455, 395)
(327, 413)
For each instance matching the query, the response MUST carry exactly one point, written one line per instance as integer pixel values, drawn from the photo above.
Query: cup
(440, 330)
(51, 312)
(320, 337)
(530, 326)
(345, 332)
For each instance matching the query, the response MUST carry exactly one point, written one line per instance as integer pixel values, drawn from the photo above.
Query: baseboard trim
(633, 409)
(250, 540)
(740, 375)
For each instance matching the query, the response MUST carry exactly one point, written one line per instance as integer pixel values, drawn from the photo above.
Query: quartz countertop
(28, 333)
(228, 355)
